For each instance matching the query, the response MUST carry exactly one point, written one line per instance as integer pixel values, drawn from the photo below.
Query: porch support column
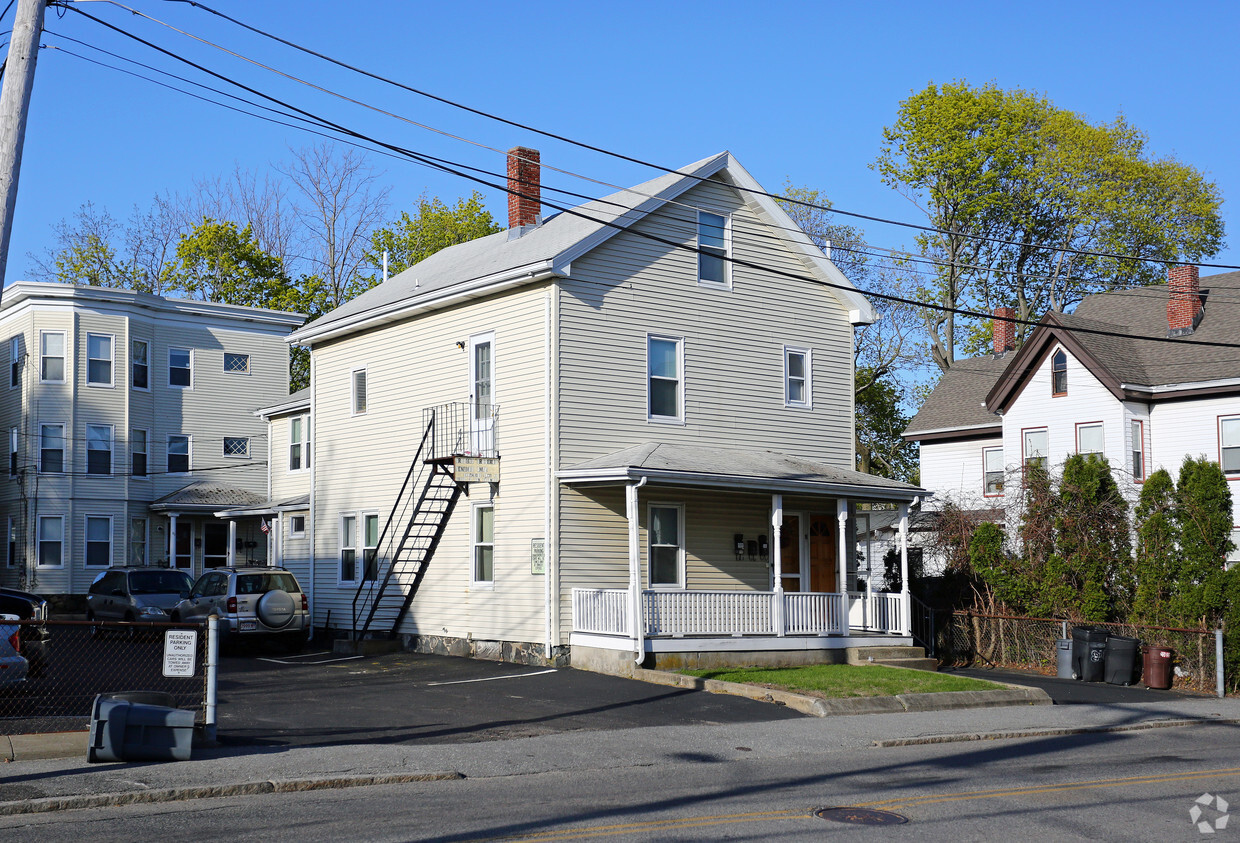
(232, 542)
(172, 540)
(275, 541)
(636, 626)
(841, 563)
(906, 610)
(777, 565)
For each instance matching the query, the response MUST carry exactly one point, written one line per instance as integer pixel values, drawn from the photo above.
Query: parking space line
(320, 661)
(490, 678)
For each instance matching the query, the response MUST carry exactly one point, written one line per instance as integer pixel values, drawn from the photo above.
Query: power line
(451, 169)
(631, 159)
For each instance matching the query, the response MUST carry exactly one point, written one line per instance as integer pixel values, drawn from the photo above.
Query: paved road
(743, 781)
(317, 699)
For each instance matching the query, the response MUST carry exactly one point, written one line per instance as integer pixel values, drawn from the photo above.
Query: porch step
(868, 655)
(931, 665)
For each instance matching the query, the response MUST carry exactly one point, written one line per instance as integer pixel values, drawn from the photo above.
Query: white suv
(251, 603)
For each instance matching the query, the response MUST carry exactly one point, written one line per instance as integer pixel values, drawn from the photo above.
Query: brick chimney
(524, 175)
(1004, 332)
(1183, 300)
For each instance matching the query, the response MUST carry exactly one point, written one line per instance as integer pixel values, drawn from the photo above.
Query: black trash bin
(1089, 646)
(1121, 659)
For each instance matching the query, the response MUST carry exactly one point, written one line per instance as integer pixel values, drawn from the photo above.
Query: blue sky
(797, 91)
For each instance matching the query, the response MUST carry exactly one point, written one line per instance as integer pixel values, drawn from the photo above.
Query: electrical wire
(631, 159)
(451, 169)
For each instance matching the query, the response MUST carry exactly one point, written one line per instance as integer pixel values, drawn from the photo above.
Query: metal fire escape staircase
(393, 571)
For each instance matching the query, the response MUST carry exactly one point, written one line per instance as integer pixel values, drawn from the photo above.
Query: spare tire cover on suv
(276, 608)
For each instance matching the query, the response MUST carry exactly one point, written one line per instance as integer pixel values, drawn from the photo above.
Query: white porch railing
(673, 614)
(602, 611)
(881, 611)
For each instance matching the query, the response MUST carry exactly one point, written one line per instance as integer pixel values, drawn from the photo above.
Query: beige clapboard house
(622, 432)
(129, 419)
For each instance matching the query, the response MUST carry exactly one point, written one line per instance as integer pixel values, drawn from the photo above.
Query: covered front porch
(803, 593)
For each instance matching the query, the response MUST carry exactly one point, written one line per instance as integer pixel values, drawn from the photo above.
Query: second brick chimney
(524, 180)
(1004, 332)
(1183, 300)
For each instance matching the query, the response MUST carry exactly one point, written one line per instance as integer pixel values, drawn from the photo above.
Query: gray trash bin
(1063, 658)
(127, 731)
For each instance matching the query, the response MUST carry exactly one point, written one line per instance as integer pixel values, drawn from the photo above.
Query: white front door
(482, 394)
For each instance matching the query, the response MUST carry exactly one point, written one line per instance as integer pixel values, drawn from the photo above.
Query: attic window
(713, 249)
(1059, 373)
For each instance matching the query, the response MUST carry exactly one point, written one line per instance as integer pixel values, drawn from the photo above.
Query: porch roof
(734, 469)
(268, 507)
(205, 498)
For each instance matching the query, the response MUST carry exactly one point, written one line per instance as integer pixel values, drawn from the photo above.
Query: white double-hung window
(666, 549)
(992, 468)
(1229, 444)
(1036, 446)
(52, 357)
(98, 449)
(1089, 438)
(484, 545)
(664, 366)
(99, 359)
(797, 387)
(713, 250)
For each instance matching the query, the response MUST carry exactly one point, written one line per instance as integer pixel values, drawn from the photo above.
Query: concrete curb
(177, 794)
(818, 707)
(1053, 732)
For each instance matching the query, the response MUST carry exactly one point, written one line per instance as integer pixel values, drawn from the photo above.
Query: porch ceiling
(735, 470)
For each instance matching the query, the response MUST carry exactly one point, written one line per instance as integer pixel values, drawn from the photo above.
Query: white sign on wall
(180, 652)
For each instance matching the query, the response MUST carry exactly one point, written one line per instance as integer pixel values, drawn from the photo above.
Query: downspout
(635, 579)
(548, 483)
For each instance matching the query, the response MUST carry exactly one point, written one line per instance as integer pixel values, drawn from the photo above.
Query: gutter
(631, 474)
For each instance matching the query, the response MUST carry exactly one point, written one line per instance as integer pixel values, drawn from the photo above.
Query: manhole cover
(860, 816)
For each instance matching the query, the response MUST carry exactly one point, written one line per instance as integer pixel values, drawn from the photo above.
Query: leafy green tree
(1203, 519)
(218, 262)
(881, 450)
(1156, 562)
(432, 226)
(1022, 190)
(1092, 550)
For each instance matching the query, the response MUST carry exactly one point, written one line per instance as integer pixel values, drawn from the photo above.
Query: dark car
(35, 641)
(136, 593)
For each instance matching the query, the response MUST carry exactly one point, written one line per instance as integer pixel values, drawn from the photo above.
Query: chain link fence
(69, 662)
(1029, 644)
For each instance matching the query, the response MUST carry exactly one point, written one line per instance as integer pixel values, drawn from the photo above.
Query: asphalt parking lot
(320, 699)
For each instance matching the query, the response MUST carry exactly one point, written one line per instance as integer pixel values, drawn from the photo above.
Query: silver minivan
(136, 594)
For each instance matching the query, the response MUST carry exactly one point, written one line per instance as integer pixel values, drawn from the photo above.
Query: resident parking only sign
(180, 650)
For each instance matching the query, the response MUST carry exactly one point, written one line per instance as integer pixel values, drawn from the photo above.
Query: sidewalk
(36, 785)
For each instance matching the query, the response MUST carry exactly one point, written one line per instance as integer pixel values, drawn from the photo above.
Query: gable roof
(1126, 365)
(504, 260)
(957, 405)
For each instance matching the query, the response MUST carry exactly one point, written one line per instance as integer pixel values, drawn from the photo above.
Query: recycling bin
(128, 731)
(1120, 662)
(1063, 658)
(1089, 647)
(1158, 662)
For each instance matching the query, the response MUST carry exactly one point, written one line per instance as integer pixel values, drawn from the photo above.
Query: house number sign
(538, 556)
(476, 470)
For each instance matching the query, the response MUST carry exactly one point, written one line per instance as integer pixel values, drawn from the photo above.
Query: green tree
(1203, 520)
(881, 450)
(1156, 563)
(218, 262)
(432, 226)
(1089, 576)
(1020, 190)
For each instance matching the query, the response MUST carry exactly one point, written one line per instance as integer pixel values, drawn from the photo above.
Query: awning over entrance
(205, 498)
(737, 470)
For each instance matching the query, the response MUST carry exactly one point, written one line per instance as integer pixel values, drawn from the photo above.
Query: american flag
(263, 526)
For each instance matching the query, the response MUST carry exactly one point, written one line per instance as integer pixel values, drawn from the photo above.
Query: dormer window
(1059, 373)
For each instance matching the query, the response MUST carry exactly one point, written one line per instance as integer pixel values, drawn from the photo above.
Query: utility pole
(14, 105)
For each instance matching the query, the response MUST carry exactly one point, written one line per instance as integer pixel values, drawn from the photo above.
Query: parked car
(136, 594)
(252, 604)
(13, 666)
(35, 641)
